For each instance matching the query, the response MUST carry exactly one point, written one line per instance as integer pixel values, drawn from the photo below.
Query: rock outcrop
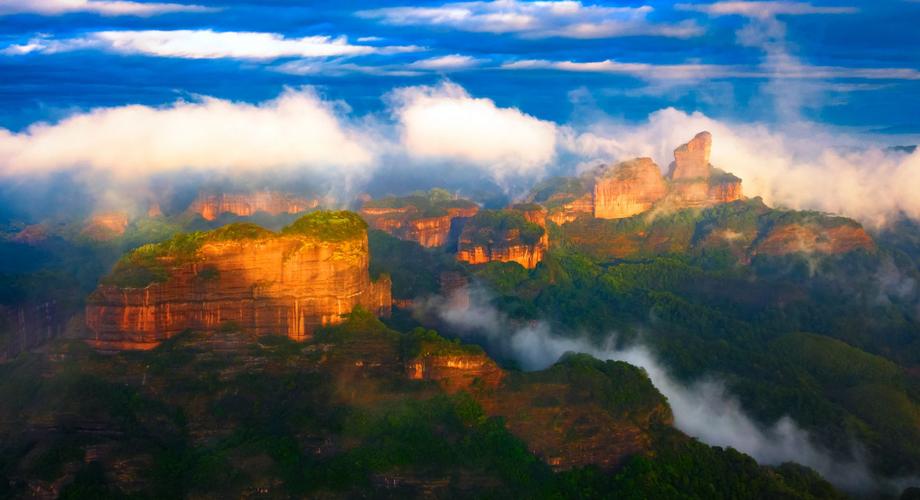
(810, 238)
(637, 186)
(695, 182)
(455, 371)
(691, 160)
(106, 225)
(211, 206)
(502, 236)
(240, 276)
(628, 189)
(427, 219)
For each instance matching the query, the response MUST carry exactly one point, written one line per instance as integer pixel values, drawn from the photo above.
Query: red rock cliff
(502, 236)
(285, 284)
(411, 218)
(694, 182)
(808, 238)
(210, 206)
(628, 188)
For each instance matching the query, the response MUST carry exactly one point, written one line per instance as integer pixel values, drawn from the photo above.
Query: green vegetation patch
(422, 342)
(328, 225)
(492, 227)
(434, 203)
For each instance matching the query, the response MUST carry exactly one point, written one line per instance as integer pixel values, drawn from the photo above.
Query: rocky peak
(691, 160)
(628, 188)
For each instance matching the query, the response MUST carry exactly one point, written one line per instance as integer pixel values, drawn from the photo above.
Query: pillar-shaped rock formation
(691, 160)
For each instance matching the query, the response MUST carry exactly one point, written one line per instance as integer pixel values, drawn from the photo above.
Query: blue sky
(843, 63)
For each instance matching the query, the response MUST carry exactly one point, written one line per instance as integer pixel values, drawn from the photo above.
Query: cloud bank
(703, 409)
(205, 44)
(103, 7)
(565, 19)
(295, 130)
(444, 123)
(434, 129)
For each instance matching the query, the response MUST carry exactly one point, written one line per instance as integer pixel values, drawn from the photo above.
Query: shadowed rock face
(211, 206)
(286, 284)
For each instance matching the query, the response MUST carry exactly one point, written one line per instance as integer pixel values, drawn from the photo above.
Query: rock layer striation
(256, 281)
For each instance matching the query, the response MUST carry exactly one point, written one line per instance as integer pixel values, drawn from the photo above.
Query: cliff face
(808, 238)
(691, 160)
(286, 284)
(503, 236)
(694, 182)
(427, 221)
(455, 371)
(106, 225)
(210, 206)
(526, 255)
(628, 189)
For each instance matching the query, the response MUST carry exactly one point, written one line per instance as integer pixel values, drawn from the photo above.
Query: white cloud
(296, 130)
(802, 166)
(764, 9)
(445, 63)
(693, 71)
(568, 19)
(446, 123)
(206, 44)
(103, 7)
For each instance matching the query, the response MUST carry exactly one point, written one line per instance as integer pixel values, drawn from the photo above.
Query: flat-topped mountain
(509, 235)
(427, 218)
(211, 205)
(239, 276)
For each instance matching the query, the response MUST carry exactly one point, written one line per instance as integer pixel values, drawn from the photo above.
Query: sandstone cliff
(628, 189)
(843, 237)
(210, 206)
(502, 236)
(427, 219)
(106, 225)
(239, 276)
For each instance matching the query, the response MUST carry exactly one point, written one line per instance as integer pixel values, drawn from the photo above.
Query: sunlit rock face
(455, 372)
(503, 236)
(809, 238)
(691, 160)
(211, 206)
(106, 225)
(694, 182)
(426, 219)
(286, 284)
(628, 188)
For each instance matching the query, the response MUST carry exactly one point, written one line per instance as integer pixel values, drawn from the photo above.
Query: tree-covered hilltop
(501, 227)
(150, 263)
(228, 415)
(433, 203)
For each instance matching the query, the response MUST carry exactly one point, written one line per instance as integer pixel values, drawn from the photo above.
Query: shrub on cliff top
(490, 227)
(434, 203)
(328, 225)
